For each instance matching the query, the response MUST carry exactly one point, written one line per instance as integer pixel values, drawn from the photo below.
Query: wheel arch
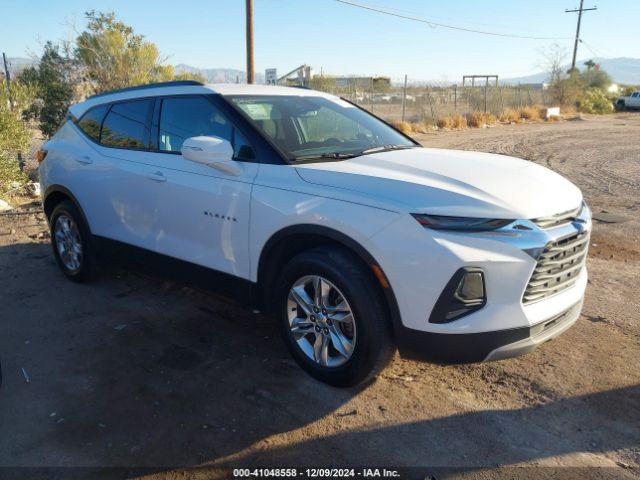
(56, 194)
(290, 241)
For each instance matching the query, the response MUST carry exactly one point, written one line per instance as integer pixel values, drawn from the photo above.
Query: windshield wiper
(326, 156)
(344, 155)
(386, 148)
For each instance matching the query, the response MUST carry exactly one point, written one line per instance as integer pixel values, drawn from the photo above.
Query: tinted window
(241, 147)
(126, 125)
(91, 121)
(181, 118)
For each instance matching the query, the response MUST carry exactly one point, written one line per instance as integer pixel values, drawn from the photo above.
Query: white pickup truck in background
(630, 101)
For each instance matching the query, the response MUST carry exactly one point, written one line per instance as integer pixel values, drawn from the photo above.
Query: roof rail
(176, 83)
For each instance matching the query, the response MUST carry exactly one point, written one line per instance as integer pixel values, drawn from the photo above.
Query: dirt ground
(138, 371)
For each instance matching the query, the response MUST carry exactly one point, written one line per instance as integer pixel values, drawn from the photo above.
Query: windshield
(310, 128)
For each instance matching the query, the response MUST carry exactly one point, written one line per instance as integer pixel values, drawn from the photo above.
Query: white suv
(302, 204)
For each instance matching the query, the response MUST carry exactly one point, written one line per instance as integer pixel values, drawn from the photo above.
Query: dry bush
(479, 119)
(510, 116)
(554, 118)
(419, 127)
(456, 122)
(404, 127)
(445, 122)
(490, 119)
(459, 122)
(530, 113)
(475, 119)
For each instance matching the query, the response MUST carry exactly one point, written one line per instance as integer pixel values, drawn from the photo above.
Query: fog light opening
(470, 290)
(464, 294)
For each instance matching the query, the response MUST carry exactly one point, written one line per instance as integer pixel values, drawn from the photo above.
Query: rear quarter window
(127, 125)
(91, 122)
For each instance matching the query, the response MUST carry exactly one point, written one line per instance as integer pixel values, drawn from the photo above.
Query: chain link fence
(427, 104)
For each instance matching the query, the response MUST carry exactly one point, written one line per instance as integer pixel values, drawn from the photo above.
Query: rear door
(199, 214)
(117, 135)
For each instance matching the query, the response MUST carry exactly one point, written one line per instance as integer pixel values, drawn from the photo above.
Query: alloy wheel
(68, 242)
(321, 321)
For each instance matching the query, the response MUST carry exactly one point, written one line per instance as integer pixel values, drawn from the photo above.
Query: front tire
(72, 243)
(332, 317)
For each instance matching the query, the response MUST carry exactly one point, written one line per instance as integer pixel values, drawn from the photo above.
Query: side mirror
(212, 151)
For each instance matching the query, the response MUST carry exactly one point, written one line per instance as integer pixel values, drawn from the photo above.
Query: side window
(126, 125)
(241, 147)
(91, 122)
(181, 118)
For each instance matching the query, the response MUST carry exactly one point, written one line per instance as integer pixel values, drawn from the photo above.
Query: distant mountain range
(213, 75)
(622, 70)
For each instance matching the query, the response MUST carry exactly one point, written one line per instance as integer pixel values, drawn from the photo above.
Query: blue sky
(339, 38)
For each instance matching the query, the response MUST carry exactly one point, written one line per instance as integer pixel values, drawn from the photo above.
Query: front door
(199, 214)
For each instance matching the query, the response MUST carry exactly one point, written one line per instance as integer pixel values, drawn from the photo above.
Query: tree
(115, 57)
(595, 77)
(54, 80)
(564, 88)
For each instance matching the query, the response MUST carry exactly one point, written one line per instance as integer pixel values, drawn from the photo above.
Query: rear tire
(72, 243)
(358, 344)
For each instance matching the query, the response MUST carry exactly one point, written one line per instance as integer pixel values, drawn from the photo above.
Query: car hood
(449, 182)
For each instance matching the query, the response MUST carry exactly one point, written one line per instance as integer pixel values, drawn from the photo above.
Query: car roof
(170, 88)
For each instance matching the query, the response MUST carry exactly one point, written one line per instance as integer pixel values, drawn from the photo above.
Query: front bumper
(484, 346)
(419, 263)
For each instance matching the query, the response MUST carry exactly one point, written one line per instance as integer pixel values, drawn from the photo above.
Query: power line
(468, 23)
(596, 51)
(443, 25)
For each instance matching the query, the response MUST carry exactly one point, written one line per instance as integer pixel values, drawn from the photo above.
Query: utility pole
(8, 77)
(575, 45)
(249, 11)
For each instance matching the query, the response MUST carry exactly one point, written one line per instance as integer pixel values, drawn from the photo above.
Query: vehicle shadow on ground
(479, 439)
(149, 373)
(135, 370)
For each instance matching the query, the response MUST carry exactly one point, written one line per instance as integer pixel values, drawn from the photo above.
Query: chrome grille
(558, 267)
(558, 219)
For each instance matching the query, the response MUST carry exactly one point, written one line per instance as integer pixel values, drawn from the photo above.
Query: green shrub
(9, 173)
(595, 101)
(14, 139)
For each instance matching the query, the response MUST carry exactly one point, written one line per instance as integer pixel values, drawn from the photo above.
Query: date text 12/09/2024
(316, 473)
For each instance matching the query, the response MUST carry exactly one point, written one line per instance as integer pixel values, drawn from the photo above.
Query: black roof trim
(177, 83)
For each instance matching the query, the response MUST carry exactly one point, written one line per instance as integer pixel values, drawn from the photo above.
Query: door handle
(85, 159)
(156, 176)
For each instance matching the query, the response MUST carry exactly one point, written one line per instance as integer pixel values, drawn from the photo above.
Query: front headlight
(469, 224)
